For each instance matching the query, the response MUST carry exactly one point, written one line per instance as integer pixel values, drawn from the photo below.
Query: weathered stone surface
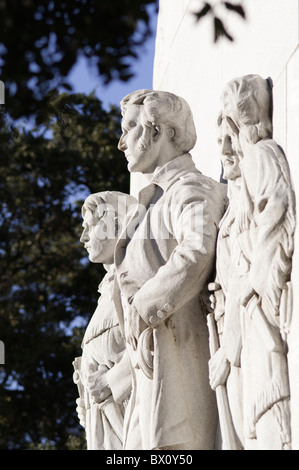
(163, 261)
(103, 373)
(152, 385)
(252, 290)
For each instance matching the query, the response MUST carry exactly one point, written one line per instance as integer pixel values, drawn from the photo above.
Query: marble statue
(102, 373)
(164, 259)
(252, 289)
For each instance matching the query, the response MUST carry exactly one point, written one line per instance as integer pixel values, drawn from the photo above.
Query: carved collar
(172, 171)
(107, 281)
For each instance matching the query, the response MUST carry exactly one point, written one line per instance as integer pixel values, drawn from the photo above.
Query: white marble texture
(102, 373)
(189, 64)
(163, 262)
(253, 294)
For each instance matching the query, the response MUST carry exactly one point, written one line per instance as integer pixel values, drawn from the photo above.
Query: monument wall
(189, 63)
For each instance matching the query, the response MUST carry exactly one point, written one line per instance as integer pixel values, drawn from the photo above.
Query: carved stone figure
(164, 260)
(254, 260)
(103, 372)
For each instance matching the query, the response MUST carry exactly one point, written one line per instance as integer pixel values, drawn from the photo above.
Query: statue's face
(230, 150)
(138, 141)
(98, 236)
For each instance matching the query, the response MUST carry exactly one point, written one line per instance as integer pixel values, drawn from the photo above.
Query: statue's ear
(171, 133)
(158, 130)
(156, 133)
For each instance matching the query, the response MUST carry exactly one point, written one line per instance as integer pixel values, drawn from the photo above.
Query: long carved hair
(248, 102)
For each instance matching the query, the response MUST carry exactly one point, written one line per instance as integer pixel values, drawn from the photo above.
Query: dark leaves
(219, 28)
(48, 289)
(236, 8)
(40, 42)
(205, 9)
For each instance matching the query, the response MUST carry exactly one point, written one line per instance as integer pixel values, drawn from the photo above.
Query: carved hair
(116, 202)
(248, 102)
(161, 107)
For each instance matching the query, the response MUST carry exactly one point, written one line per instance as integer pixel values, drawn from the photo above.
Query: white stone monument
(102, 373)
(253, 289)
(189, 63)
(244, 95)
(163, 261)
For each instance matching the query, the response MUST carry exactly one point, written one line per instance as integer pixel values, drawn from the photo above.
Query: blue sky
(85, 80)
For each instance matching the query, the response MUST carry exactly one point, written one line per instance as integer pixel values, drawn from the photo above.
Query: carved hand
(217, 299)
(81, 411)
(98, 385)
(219, 368)
(136, 326)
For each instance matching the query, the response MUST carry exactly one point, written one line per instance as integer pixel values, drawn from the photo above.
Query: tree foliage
(48, 288)
(41, 40)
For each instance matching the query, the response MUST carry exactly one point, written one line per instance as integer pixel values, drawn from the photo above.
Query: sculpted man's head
(157, 126)
(246, 113)
(231, 152)
(104, 215)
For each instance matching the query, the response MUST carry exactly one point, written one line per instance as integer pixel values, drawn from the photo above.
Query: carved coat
(164, 260)
(103, 347)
